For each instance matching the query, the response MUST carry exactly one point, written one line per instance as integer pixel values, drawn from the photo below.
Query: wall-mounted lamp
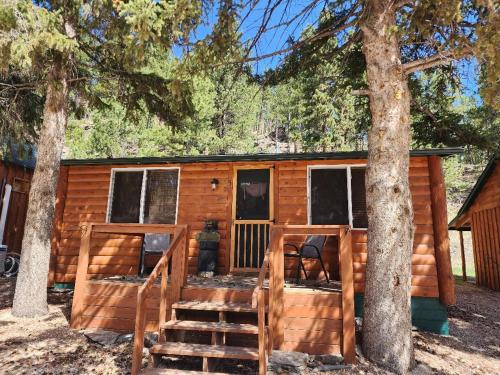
(214, 183)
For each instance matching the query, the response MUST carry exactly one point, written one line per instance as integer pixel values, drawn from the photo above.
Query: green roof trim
(483, 178)
(252, 157)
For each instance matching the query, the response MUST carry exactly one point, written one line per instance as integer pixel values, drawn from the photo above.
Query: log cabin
(261, 203)
(480, 214)
(17, 174)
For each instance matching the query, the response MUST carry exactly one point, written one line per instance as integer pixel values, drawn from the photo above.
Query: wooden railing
(249, 242)
(176, 253)
(259, 302)
(178, 277)
(274, 262)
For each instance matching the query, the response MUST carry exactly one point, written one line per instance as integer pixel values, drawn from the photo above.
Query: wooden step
(191, 325)
(169, 371)
(201, 350)
(214, 306)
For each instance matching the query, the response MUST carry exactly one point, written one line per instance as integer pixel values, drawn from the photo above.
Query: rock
(329, 359)
(359, 351)
(422, 369)
(125, 337)
(150, 339)
(324, 368)
(289, 362)
(101, 337)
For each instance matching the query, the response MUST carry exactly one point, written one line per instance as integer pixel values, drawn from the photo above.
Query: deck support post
(348, 324)
(62, 188)
(276, 290)
(81, 276)
(462, 253)
(446, 281)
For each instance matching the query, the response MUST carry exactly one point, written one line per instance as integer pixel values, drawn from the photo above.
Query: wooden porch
(247, 319)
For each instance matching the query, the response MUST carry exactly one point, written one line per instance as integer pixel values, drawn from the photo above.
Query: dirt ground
(47, 345)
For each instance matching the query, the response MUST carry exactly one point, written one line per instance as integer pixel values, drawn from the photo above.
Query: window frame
(144, 171)
(348, 168)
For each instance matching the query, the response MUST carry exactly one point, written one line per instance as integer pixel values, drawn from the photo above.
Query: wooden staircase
(175, 332)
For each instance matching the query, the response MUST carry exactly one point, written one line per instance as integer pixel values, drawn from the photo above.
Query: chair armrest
(292, 245)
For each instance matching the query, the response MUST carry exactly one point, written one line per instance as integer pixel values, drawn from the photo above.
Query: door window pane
(126, 200)
(252, 196)
(358, 193)
(160, 202)
(329, 204)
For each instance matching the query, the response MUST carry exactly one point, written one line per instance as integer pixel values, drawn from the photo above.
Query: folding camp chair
(153, 244)
(311, 249)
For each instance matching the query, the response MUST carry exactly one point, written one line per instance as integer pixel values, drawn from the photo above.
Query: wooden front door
(252, 217)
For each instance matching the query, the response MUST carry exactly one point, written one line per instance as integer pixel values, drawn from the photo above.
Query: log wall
(16, 216)
(87, 199)
(485, 226)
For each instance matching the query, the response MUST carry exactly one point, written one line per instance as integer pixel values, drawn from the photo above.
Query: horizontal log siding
(292, 182)
(312, 321)
(112, 306)
(87, 199)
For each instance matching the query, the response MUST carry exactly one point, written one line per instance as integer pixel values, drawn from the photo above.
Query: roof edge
(253, 157)
(488, 170)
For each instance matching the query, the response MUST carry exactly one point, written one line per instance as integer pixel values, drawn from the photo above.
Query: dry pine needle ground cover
(47, 345)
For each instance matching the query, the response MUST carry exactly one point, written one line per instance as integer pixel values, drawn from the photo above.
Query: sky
(278, 38)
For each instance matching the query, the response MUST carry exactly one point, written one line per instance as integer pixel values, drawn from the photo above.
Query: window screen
(126, 202)
(160, 203)
(358, 194)
(252, 197)
(329, 204)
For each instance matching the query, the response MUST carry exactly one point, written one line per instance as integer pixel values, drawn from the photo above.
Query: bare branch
(433, 61)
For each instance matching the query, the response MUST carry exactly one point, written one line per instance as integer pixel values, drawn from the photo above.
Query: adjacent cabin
(265, 207)
(15, 180)
(480, 214)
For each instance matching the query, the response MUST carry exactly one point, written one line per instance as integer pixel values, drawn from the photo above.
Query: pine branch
(438, 59)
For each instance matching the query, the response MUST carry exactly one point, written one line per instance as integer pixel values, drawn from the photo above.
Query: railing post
(163, 297)
(276, 289)
(81, 276)
(261, 312)
(178, 266)
(348, 325)
(140, 323)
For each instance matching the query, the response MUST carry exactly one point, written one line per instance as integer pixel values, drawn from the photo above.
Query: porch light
(214, 183)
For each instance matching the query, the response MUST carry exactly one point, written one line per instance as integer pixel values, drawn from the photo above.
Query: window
(144, 196)
(337, 196)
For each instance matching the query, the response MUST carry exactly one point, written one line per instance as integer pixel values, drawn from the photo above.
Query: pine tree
(84, 50)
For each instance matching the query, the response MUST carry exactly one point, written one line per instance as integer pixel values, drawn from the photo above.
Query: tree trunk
(30, 299)
(387, 329)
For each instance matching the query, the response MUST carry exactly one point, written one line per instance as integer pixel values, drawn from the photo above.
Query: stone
(422, 369)
(125, 337)
(324, 368)
(101, 337)
(150, 339)
(329, 359)
(289, 362)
